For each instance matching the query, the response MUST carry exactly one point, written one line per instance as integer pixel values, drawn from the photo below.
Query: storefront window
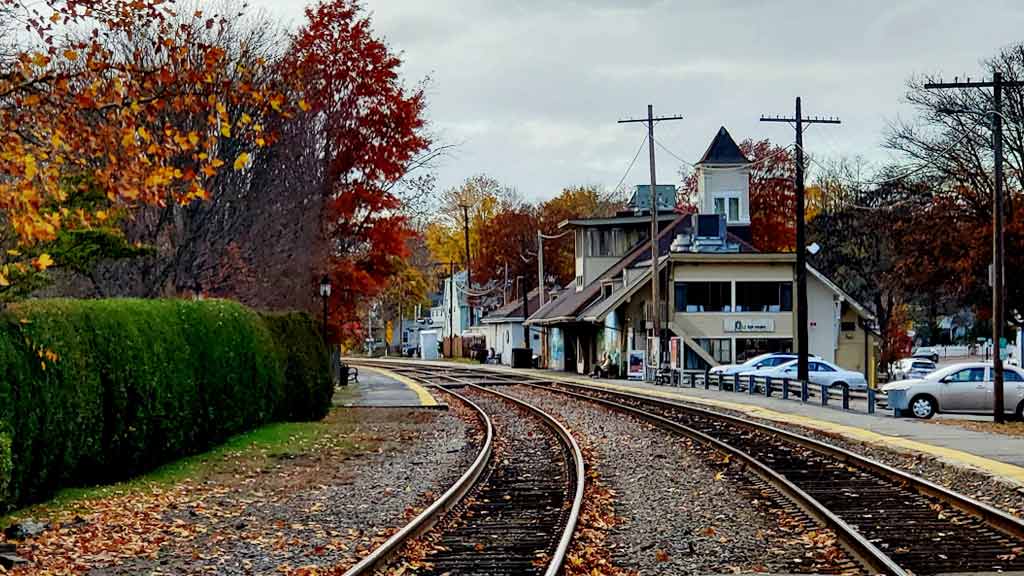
(703, 296)
(747, 348)
(764, 296)
(719, 348)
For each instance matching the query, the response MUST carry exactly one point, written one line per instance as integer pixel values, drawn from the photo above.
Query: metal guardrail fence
(784, 388)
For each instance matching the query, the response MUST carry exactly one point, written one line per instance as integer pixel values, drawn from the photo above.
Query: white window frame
(725, 197)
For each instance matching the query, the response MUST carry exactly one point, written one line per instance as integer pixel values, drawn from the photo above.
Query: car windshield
(757, 360)
(922, 366)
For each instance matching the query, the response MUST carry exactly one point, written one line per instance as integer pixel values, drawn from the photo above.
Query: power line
(734, 169)
(632, 162)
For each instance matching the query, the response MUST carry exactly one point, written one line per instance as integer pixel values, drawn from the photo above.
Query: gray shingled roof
(723, 150)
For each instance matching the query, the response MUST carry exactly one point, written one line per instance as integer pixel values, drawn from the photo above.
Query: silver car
(965, 388)
(818, 372)
(759, 362)
(912, 368)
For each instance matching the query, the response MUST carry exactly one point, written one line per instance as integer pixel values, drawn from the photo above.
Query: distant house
(722, 299)
(503, 328)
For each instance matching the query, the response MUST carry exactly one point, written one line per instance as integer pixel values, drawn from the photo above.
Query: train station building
(723, 300)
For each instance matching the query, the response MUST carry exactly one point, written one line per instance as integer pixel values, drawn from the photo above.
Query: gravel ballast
(999, 493)
(325, 506)
(683, 508)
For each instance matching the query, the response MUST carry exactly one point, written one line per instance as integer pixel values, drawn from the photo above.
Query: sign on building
(749, 325)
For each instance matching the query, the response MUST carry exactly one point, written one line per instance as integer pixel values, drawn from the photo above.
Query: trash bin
(522, 357)
(343, 379)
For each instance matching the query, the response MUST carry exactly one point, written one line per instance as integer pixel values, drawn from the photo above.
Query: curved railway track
(891, 521)
(512, 512)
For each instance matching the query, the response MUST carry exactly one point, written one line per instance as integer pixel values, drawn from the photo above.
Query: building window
(734, 209)
(719, 348)
(692, 360)
(849, 326)
(720, 206)
(747, 348)
(764, 296)
(703, 297)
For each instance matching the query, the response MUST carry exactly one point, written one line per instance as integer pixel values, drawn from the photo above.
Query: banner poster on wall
(636, 364)
(673, 353)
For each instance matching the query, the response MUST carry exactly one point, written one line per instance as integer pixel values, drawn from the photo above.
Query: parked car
(756, 363)
(929, 352)
(819, 372)
(964, 388)
(911, 368)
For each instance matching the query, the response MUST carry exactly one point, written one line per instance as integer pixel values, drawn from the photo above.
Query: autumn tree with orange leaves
(89, 131)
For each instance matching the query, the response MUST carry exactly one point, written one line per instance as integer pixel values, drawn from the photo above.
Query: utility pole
(451, 308)
(540, 271)
(655, 280)
(801, 238)
(526, 309)
(469, 276)
(998, 207)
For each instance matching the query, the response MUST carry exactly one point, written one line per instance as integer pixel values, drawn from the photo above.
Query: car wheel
(935, 358)
(922, 406)
(1020, 410)
(840, 385)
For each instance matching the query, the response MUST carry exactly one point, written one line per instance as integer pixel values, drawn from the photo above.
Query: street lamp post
(325, 294)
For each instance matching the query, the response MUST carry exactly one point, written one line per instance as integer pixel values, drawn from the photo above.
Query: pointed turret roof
(723, 150)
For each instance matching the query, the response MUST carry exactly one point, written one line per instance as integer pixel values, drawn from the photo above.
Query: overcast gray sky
(530, 90)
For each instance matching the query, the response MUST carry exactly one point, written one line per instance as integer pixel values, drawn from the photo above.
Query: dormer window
(729, 207)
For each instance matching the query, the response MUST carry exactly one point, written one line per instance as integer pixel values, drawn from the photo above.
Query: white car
(966, 388)
(819, 372)
(759, 362)
(929, 352)
(911, 368)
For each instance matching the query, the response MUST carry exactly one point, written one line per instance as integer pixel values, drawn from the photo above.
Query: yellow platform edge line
(951, 455)
(425, 398)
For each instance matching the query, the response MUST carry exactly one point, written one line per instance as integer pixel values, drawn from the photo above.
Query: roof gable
(723, 150)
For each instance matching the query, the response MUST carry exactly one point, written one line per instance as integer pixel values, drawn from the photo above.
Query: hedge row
(94, 391)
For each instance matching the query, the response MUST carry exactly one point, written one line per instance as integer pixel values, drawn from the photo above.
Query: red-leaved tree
(369, 128)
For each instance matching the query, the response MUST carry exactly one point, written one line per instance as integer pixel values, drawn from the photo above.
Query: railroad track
(512, 512)
(890, 521)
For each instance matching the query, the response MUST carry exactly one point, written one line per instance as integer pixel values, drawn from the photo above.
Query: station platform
(996, 454)
(380, 388)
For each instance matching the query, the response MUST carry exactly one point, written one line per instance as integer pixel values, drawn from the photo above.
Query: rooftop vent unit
(709, 226)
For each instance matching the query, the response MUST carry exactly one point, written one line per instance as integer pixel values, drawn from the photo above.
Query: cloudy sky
(530, 90)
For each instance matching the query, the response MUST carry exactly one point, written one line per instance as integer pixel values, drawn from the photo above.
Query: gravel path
(682, 509)
(324, 507)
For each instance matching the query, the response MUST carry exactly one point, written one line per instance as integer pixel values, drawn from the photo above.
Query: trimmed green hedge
(94, 391)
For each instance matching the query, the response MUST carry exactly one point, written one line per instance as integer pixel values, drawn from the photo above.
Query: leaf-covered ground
(288, 498)
(1008, 428)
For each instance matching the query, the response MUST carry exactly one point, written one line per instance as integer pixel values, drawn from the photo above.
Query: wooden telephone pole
(998, 207)
(801, 239)
(655, 280)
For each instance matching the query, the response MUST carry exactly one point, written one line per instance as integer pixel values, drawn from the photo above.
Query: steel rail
(1005, 523)
(433, 513)
(996, 519)
(856, 544)
(558, 557)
